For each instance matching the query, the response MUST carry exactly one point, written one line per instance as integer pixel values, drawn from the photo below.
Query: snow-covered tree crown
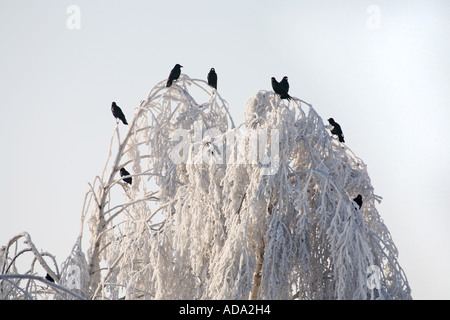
(263, 210)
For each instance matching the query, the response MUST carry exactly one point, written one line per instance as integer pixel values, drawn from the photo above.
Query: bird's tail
(285, 96)
(169, 83)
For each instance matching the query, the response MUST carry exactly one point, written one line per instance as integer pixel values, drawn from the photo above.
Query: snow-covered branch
(262, 210)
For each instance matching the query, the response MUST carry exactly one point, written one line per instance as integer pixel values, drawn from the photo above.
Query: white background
(388, 87)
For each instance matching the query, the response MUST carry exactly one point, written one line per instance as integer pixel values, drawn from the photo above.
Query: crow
(336, 129)
(212, 78)
(49, 278)
(117, 113)
(275, 85)
(281, 88)
(174, 74)
(285, 84)
(123, 173)
(358, 200)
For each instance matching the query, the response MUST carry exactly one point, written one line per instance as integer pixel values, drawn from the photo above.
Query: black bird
(49, 278)
(117, 112)
(174, 74)
(336, 129)
(275, 85)
(285, 84)
(212, 78)
(123, 173)
(358, 200)
(281, 88)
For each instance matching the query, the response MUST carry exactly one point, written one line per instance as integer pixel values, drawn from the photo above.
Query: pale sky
(384, 78)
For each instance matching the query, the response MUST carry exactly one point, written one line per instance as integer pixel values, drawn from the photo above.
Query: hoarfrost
(263, 210)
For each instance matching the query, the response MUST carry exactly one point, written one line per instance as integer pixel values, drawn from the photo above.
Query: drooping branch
(263, 210)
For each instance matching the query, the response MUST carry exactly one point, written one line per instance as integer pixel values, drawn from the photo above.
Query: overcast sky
(379, 68)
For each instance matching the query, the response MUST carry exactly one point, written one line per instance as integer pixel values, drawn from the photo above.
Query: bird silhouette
(174, 74)
(49, 278)
(358, 200)
(284, 84)
(117, 113)
(124, 173)
(281, 88)
(336, 129)
(212, 78)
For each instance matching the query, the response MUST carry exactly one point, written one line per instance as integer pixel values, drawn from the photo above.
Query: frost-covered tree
(262, 210)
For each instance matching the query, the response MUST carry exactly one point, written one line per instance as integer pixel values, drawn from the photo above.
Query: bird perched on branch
(281, 88)
(358, 200)
(336, 129)
(49, 278)
(117, 113)
(284, 84)
(174, 74)
(212, 78)
(124, 173)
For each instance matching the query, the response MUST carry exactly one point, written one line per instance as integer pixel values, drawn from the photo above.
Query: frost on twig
(263, 210)
(231, 227)
(16, 283)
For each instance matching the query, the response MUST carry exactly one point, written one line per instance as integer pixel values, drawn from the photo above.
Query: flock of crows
(281, 88)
